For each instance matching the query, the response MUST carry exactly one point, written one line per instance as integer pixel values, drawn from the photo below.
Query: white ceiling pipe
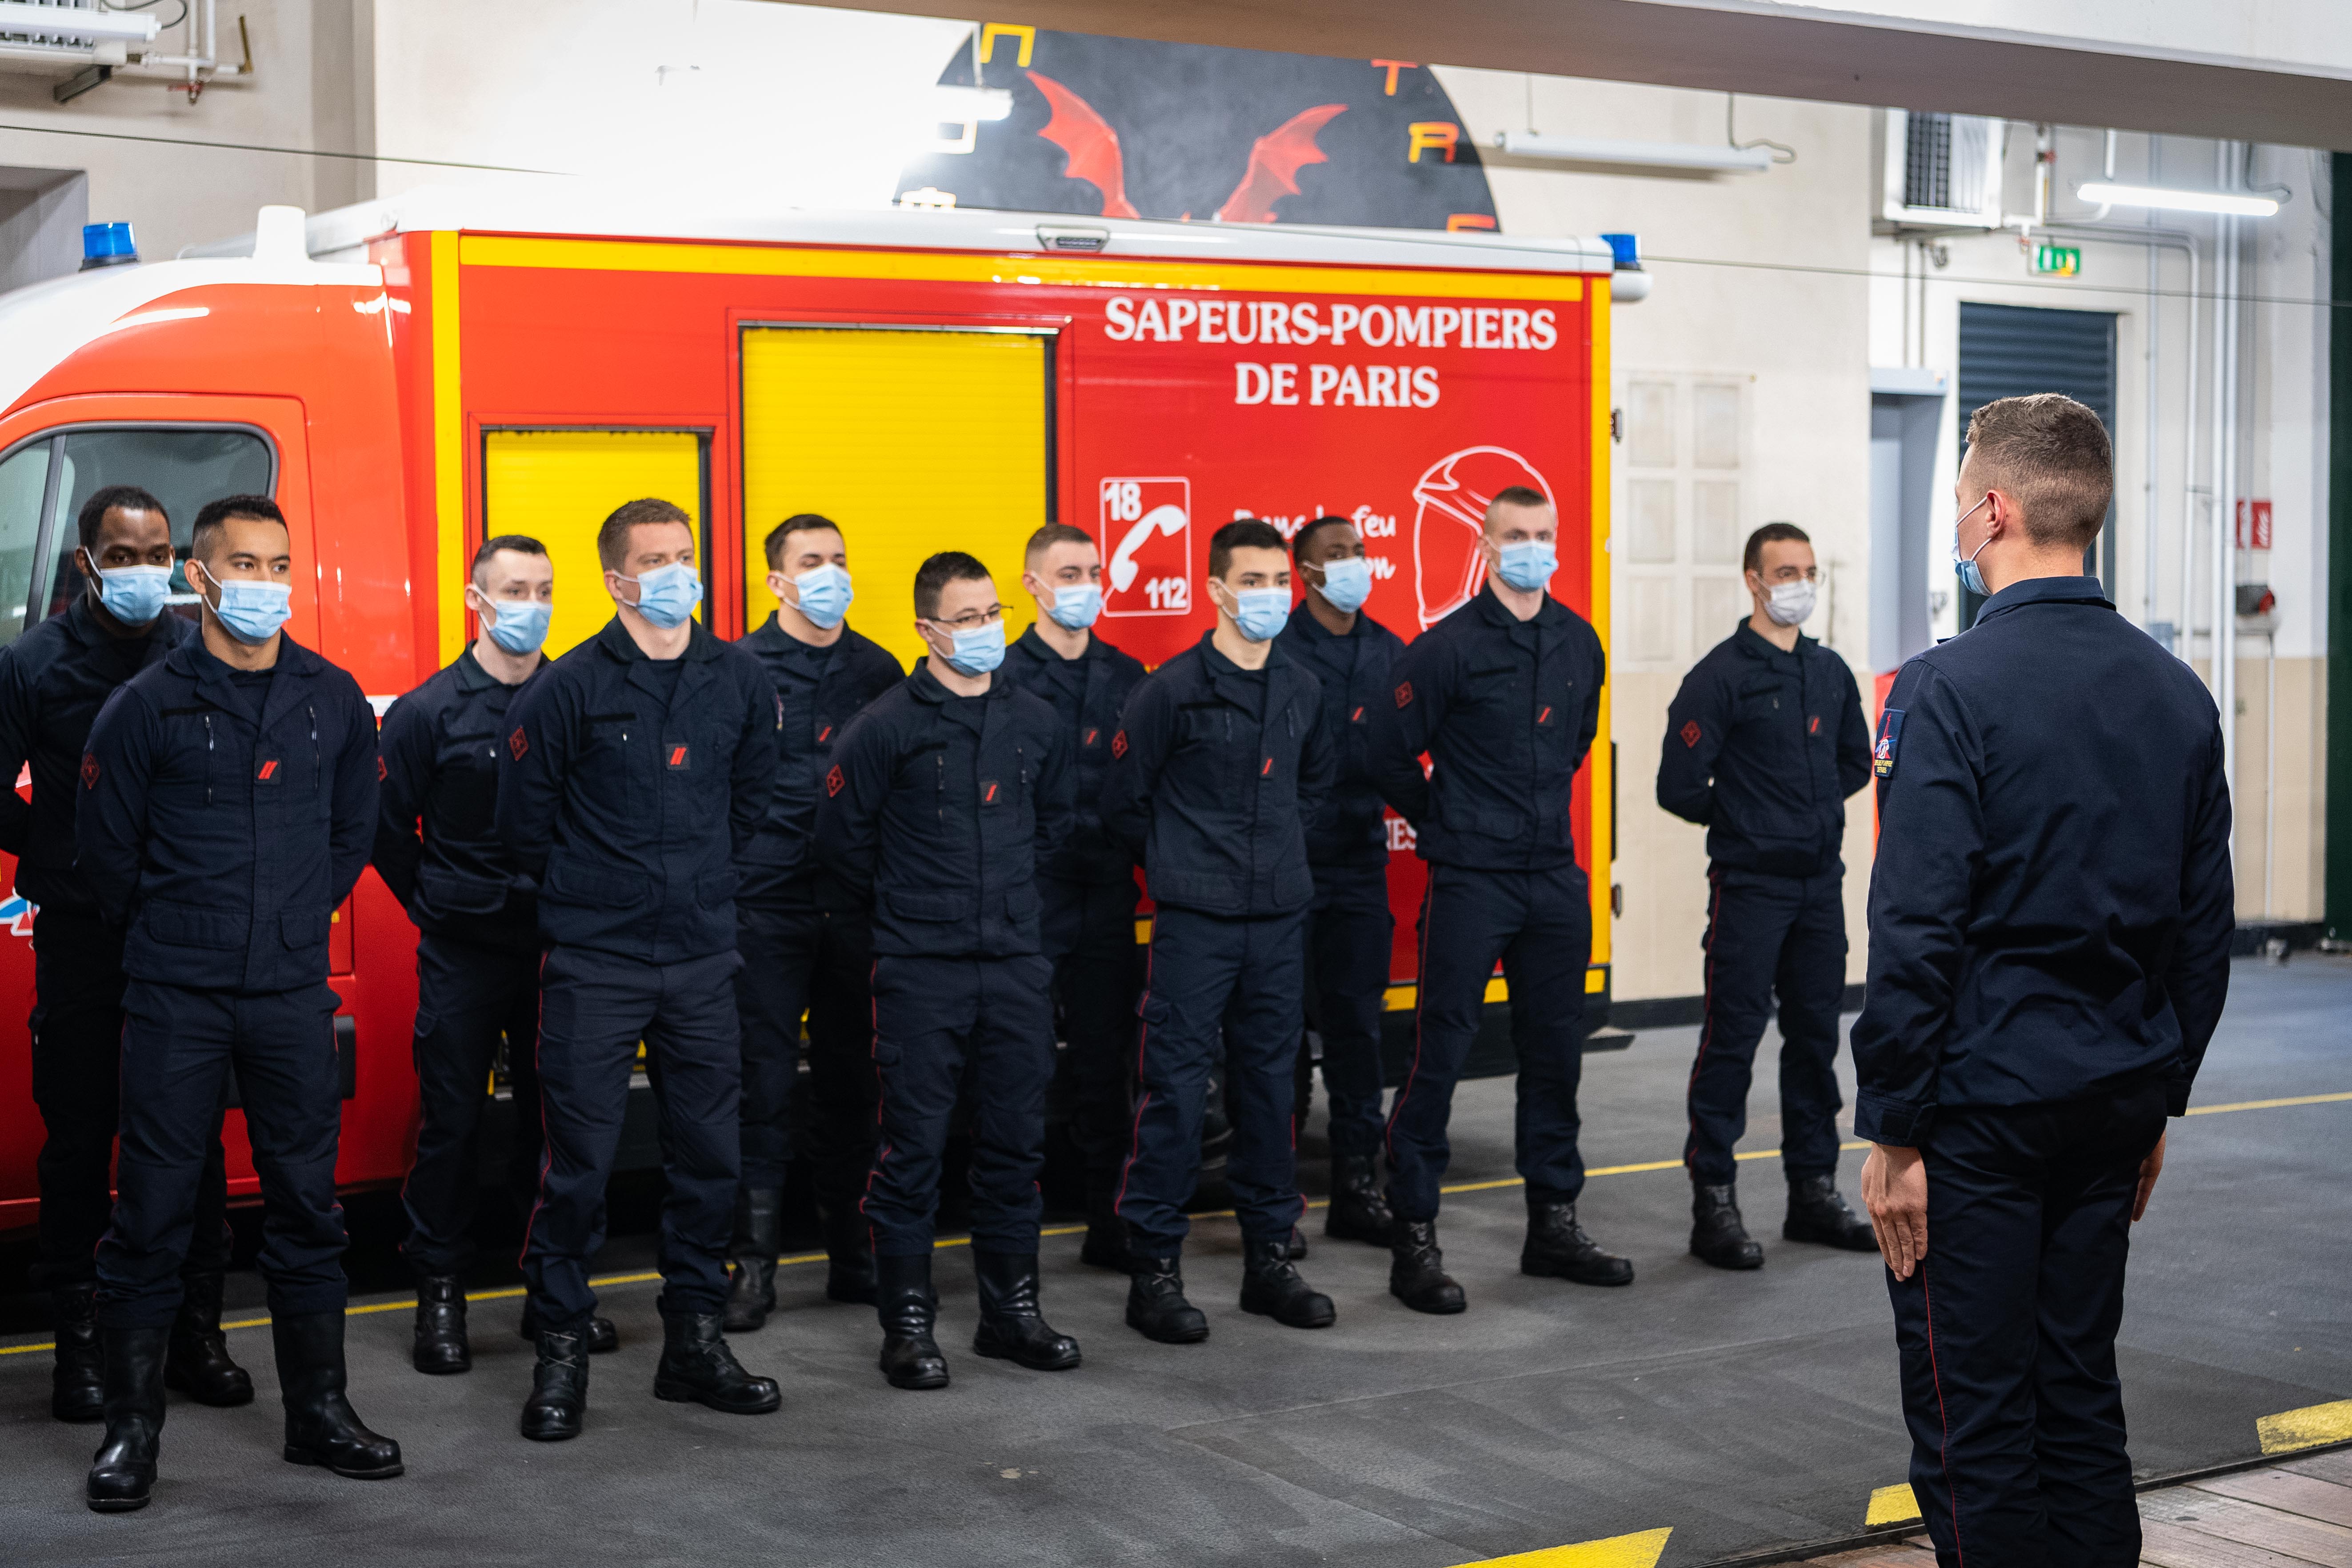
(1700, 155)
(78, 21)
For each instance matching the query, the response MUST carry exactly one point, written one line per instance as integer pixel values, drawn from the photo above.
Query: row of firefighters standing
(667, 839)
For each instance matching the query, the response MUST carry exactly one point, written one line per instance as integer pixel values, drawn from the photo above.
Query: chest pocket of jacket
(1758, 700)
(289, 766)
(192, 763)
(464, 794)
(1277, 764)
(608, 754)
(1213, 730)
(1491, 689)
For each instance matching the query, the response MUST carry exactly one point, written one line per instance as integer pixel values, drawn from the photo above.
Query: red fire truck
(409, 376)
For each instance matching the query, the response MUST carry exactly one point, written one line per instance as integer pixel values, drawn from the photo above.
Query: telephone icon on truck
(1148, 570)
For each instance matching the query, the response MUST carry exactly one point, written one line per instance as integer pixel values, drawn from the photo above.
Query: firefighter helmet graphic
(1451, 514)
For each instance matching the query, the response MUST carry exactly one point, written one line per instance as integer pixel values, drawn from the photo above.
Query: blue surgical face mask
(1526, 565)
(825, 594)
(1347, 583)
(1260, 614)
(521, 624)
(1971, 574)
(134, 595)
(667, 594)
(1075, 606)
(252, 611)
(978, 649)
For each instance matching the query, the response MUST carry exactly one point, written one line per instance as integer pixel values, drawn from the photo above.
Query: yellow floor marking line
(514, 1291)
(1891, 1505)
(1638, 1551)
(2308, 1428)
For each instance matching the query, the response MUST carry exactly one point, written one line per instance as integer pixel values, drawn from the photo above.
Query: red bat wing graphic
(1275, 161)
(1092, 144)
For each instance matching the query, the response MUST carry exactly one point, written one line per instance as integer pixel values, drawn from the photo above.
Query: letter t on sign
(1391, 66)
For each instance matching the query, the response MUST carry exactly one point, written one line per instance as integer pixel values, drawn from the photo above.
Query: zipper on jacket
(317, 761)
(208, 759)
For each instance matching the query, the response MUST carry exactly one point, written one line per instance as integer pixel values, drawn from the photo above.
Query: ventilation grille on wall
(1943, 171)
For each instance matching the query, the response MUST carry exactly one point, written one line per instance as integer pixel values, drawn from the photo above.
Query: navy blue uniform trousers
(1538, 925)
(77, 1028)
(1350, 931)
(802, 960)
(2007, 1332)
(1217, 984)
(178, 1048)
(469, 997)
(1766, 936)
(935, 1021)
(593, 1009)
(1088, 932)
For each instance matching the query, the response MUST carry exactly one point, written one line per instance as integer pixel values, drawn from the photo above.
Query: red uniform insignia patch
(832, 781)
(1118, 745)
(1357, 717)
(1544, 716)
(270, 770)
(824, 734)
(1266, 772)
(1813, 725)
(518, 743)
(88, 770)
(1690, 733)
(1404, 694)
(382, 772)
(676, 758)
(1092, 736)
(988, 792)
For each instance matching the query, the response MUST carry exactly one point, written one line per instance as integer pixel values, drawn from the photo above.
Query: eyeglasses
(971, 620)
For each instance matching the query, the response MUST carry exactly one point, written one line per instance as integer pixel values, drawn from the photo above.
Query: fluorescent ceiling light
(2178, 201)
(78, 21)
(1703, 155)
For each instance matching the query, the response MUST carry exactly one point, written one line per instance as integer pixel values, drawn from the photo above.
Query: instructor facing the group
(2049, 921)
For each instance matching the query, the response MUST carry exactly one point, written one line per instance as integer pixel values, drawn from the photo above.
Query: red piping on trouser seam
(1944, 1450)
(1142, 1036)
(546, 1144)
(874, 1054)
(1706, 1013)
(1420, 1001)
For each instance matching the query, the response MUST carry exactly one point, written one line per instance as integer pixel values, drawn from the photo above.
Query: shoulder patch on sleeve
(518, 743)
(381, 771)
(1890, 736)
(1118, 745)
(1690, 733)
(1404, 694)
(90, 770)
(834, 781)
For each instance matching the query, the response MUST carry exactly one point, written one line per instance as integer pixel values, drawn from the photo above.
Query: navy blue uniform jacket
(1762, 747)
(1087, 693)
(2051, 910)
(53, 680)
(820, 689)
(441, 748)
(1354, 672)
(222, 823)
(632, 811)
(1217, 774)
(938, 811)
(1506, 710)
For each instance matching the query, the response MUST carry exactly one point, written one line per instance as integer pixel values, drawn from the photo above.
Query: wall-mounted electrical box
(1942, 171)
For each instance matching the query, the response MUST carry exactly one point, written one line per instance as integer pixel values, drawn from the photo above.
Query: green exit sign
(2065, 261)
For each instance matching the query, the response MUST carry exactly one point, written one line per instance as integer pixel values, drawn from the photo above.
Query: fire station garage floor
(1744, 1413)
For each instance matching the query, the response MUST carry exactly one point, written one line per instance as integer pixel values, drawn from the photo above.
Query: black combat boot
(697, 1366)
(759, 1226)
(602, 1338)
(1718, 1235)
(1012, 1328)
(1106, 1244)
(440, 1340)
(78, 1379)
(1417, 1274)
(1156, 1307)
(122, 1472)
(557, 1406)
(1816, 1213)
(904, 1300)
(1558, 1246)
(1358, 1211)
(197, 1363)
(848, 1255)
(321, 1428)
(1272, 1289)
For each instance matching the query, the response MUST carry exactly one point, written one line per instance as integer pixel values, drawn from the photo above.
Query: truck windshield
(43, 484)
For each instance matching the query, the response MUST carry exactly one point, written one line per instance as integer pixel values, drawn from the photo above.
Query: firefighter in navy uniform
(229, 800)
(804, 951)
(2050, 923)
(1350, 927)
(1088, 885)
(1764, 742)
(1504, 696)
(52, 682)
(946, 797)
(1218, 770)
(436, 847)
(636, 770)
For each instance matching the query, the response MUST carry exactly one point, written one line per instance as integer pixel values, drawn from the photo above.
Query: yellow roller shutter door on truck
(913, 441)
